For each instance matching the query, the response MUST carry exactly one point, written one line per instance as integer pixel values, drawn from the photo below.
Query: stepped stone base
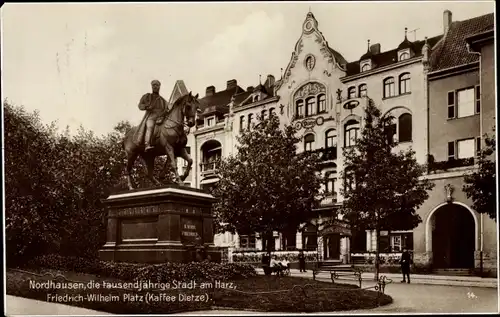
(167, 224)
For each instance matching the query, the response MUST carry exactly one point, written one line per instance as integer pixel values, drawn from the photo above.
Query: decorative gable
(310, 27)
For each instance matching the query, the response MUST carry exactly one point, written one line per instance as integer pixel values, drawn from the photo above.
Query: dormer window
(365, 67)
(210, 121)
(255, 98)
(405, 49)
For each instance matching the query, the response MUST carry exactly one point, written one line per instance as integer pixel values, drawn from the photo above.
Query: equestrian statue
(161, 132)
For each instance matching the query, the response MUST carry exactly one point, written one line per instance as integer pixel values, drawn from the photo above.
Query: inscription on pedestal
(134, 211)
(191, 230)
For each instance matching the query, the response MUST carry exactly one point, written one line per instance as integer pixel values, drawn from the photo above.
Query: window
(321, 103)
(255, 98)
(404, 84)
(310, 106)
(247, 241)
(478, 146)
(351, 129)
(391, 131)
(466, 148)
(389, 89)
(250, 123)
(331, 180)
(288, 240)
(309, 142)
(272, 112)
(451, 151)
(405, 127)
(331, 138)
(478, 99)
(210, 121)
(396, 245)
(362, 90)
(300, 108)
(310, 63)
(310, 238)
(351, 92)
(268, 241)
(242, 123)
(263, 114)
(404, 56)
(451, 104)
(465, 102)
(365, 67)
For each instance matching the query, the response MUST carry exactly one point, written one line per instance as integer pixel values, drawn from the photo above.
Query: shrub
(154, 272)
(292, 256)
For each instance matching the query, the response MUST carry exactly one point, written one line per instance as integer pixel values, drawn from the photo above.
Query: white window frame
(365, 66)
(469, 145)
(402, 53)
(394, 243)
(210, 119)
(311, 143)
(467, 107)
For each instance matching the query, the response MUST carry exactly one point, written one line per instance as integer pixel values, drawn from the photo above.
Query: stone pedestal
(159, 225)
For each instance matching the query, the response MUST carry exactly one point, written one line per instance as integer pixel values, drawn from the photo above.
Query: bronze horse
(169, 139)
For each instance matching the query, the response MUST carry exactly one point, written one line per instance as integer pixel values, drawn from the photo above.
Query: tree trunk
(377, 254)
(268, 237)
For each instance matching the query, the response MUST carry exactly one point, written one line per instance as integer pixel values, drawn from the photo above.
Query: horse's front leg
(185, 155)
(173, 162)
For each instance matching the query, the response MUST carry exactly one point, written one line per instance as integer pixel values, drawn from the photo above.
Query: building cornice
(453, 71)
(381, 69)
(215, 128)
(256, 104)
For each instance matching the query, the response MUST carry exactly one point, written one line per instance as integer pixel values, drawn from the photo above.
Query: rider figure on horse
(155, 107)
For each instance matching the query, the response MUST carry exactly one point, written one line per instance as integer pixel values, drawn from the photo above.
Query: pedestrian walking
(302, 261)
(405, 265)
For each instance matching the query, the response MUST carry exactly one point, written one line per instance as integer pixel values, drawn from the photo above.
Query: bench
(340, 272)
(281, 271)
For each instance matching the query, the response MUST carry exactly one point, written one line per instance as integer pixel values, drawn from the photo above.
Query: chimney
(231, 84)
(269, 81)
(375, 49)
(210, 91)
(446, 20)
(250, 89)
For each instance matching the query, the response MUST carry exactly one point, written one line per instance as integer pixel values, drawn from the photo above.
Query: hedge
(154, 272)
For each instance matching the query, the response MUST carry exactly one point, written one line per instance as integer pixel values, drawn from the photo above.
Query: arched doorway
(453, 237)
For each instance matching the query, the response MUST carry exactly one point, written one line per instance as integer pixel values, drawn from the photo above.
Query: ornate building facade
(324, 96)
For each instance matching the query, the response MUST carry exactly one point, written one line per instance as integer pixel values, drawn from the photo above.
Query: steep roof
(390, 57)
(452, 50)
(219, 100)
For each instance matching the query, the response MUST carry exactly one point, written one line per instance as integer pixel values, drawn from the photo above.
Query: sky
(89, 64)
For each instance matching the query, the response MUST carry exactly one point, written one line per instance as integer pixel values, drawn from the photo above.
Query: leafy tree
(267, 186)
(383, 188)
(481, 185)
(55, 183)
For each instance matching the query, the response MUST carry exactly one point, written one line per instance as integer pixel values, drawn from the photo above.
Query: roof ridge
(474, 18)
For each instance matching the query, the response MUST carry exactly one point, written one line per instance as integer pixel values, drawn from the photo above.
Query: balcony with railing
(327, 155)
(209, 168)
(444, 166)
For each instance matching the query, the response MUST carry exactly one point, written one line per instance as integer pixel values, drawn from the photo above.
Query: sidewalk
(24, 306)
(467, 281)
